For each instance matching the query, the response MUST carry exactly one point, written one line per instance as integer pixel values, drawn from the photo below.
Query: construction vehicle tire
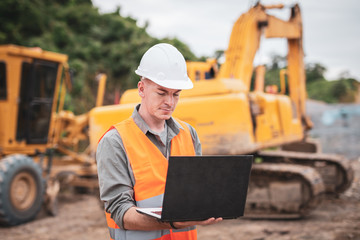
(21, 189)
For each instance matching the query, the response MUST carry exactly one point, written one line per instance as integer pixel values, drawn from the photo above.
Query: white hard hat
(166, 66)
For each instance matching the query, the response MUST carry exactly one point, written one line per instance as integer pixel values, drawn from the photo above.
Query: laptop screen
(200, 187)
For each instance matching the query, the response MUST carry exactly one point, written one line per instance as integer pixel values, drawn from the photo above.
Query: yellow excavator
(286, 182)
(39, 141)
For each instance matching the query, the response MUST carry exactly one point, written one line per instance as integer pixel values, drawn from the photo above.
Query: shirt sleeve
(196, 140)
(116, 179)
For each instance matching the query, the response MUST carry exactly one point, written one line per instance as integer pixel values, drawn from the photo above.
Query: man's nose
(170, 100)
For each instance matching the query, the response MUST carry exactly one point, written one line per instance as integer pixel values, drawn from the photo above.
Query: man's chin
(165, 117)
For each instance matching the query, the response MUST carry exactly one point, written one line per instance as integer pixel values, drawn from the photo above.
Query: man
(133, 155)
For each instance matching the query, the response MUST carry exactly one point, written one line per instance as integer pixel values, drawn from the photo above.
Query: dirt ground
(81, 217)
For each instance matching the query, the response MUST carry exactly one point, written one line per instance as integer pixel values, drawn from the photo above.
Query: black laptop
(201, 187)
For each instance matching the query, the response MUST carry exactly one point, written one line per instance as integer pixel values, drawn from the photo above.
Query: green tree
(95, 43)
(314, 72)
(342, 90)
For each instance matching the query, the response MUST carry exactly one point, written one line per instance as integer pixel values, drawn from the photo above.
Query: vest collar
(173, 126)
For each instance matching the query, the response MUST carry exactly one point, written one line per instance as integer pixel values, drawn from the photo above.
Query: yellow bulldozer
(39, 140)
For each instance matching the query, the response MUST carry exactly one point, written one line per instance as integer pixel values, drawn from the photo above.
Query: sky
(331, 31)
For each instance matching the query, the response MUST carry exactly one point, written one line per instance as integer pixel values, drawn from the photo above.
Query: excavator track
(283, 191)
(335, 171)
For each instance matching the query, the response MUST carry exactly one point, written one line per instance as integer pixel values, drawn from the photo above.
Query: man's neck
(157, 125)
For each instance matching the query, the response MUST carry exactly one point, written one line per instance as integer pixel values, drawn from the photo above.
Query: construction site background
(81, 215)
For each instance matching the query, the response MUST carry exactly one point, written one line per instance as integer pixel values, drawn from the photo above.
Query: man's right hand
(137, 221)
(209, 221)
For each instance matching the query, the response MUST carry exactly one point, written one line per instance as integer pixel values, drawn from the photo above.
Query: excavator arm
(241, 50)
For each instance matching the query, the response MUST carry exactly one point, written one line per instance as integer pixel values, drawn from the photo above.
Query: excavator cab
(202, 70)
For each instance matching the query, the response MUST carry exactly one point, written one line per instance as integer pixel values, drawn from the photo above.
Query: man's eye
(161, 93)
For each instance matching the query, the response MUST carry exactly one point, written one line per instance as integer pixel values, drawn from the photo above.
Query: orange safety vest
(150, 168)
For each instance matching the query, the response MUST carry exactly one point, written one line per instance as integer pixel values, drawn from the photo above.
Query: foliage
(342, 90)
(314, 72)
(318, 88)
(95, 43)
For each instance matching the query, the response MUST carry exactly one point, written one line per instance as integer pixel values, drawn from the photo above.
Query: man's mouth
(166, 109)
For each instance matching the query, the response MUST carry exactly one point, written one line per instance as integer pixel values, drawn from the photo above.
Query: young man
(133, 155)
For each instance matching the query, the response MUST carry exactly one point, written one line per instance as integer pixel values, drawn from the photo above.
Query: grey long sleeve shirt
(116, 179)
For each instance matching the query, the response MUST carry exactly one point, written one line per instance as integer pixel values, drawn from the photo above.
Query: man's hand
(209, 221)
(136, 221)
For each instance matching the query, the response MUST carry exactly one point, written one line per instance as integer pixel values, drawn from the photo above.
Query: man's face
(159, 102)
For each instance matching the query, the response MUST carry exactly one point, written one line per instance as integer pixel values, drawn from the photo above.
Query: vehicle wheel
(21, 189)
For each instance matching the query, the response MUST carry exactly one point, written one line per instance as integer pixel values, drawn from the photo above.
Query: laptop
(200, 187)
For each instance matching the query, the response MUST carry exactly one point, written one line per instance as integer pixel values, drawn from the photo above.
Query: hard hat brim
(173, 84)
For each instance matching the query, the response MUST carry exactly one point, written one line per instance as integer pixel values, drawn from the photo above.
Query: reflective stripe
(112, 233)
(151, 202)
(185, 229)
(139, 235)
(119, 234)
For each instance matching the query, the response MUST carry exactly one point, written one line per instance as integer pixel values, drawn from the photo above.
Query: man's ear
(141, 89)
